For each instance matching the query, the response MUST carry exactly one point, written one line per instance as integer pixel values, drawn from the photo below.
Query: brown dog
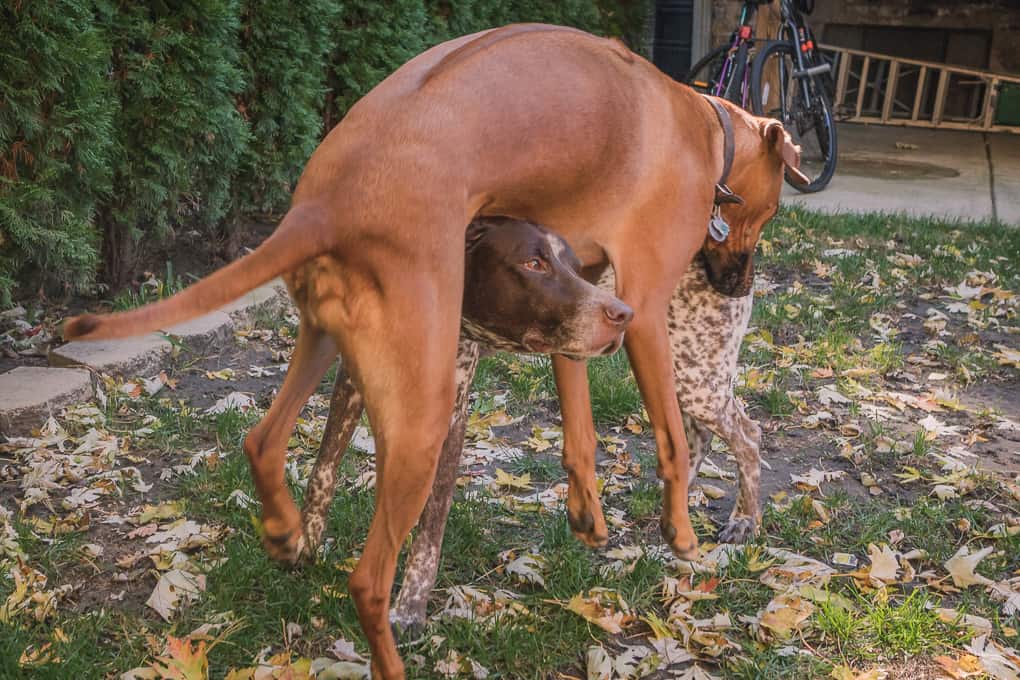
(538, 122)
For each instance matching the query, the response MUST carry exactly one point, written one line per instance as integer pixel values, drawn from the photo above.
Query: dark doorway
(674, 26)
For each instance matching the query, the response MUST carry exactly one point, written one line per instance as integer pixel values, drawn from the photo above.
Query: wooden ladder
(878, 88)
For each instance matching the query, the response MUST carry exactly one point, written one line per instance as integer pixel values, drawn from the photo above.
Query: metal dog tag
(718, 228)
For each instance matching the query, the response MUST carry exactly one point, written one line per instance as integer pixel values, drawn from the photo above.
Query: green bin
(1007, 110)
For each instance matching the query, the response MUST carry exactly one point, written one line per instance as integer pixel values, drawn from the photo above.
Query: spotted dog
(705, 329)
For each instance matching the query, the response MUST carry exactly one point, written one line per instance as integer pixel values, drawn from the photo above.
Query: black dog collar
(717, 226)
(723, 193)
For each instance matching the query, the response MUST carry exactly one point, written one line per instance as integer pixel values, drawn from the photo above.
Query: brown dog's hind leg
(345, 409)
(408, 613)
(584, 510)
(266, 444)
(401, 346)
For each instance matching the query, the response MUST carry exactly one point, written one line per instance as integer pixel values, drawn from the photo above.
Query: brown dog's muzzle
(729, 273)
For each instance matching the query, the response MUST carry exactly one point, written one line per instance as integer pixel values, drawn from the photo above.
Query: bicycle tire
(819, 109)
(707, 68)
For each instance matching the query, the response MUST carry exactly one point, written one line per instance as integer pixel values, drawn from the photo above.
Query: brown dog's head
(764, 152)
(522, 292)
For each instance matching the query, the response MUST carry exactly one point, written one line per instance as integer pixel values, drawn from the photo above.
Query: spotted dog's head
(522, 292)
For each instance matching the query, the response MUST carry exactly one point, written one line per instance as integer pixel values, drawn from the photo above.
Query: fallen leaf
(510, 481)
(961, 567)
(598, 608)
(173, 589)
(181, 661)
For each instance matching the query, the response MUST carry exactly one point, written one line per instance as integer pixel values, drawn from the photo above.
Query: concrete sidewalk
(950, 174)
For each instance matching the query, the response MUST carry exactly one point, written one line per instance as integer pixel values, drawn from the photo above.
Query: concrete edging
(30, 394)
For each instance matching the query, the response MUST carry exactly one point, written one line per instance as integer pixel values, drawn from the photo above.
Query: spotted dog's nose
(618, 313)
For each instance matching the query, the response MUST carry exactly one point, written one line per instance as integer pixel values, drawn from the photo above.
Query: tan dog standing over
(538, 122)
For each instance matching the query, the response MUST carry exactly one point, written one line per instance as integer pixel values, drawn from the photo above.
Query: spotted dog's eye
(536, 264)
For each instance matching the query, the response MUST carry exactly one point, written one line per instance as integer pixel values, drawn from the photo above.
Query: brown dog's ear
(779, 141)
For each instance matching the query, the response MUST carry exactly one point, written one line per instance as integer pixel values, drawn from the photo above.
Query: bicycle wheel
(799, 102)
(704, 76)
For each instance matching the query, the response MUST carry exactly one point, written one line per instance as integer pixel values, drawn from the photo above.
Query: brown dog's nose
(618, 313)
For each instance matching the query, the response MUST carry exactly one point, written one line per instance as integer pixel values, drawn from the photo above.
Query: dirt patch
(862, 165)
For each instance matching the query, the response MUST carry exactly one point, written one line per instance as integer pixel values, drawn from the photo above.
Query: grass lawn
(882, 363)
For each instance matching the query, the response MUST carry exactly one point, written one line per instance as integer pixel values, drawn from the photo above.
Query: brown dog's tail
(303, 234)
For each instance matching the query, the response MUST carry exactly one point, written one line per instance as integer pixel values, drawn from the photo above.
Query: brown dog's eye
(536, 264)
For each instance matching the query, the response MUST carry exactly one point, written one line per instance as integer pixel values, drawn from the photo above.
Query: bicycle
(746, 71)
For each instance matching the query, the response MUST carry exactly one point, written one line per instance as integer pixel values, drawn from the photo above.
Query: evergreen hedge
(179, 133)
(283, 49)
(56, 122)
(121, 122)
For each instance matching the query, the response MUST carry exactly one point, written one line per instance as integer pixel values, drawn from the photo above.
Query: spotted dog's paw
(738, 530)
(408, 625)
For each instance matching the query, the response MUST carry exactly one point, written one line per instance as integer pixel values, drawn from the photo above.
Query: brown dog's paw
(589, 530)
(288, 548)
(684, 549)
(738, 530)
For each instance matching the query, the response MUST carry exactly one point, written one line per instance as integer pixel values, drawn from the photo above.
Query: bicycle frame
(793, 29)
(743, 39)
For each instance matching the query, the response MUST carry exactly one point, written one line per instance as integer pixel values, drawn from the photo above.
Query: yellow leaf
(38, 657)
(505, 479)
(182, 662)
(785, 614)
(167, 510)
(884, 564)
(598, 608)
(660, 629)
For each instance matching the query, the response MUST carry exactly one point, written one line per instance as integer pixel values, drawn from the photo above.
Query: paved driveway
(945, 173)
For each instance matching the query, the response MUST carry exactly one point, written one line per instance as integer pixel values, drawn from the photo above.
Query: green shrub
(583, 14)
(121, 122)
(283, 58)
(372, 39)
(625, 19)
(55, 142)
(179, 134)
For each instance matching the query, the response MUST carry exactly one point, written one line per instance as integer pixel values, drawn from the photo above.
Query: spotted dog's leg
(423, 561)
(743, 436)
(345, 409)
(700, 439)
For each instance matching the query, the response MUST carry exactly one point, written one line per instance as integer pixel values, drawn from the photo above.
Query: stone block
(268, 295)
(206, 330)
(143, 355)
(29, 394)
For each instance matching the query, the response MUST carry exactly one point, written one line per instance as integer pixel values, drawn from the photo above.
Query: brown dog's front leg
(423, 562)
(584, 510)
(648, 348)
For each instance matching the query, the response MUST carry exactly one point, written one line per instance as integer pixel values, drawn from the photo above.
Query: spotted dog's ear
(780, 142)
